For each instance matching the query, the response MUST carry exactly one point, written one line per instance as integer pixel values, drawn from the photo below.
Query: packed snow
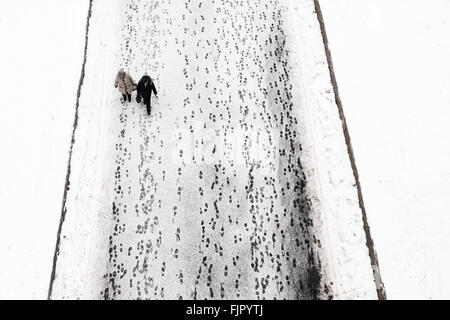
(216, 193)
(391, 60)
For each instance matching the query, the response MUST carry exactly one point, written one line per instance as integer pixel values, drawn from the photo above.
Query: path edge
(369, 241)
(69, 161)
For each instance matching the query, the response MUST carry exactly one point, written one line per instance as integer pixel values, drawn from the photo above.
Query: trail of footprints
(186, 227)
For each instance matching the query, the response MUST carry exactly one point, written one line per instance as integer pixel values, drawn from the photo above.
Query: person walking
(145, 88)
(125, 84)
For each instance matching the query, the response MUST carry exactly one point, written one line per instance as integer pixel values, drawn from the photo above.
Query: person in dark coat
(145, 88)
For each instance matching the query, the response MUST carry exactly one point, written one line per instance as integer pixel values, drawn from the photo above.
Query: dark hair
(147, 78)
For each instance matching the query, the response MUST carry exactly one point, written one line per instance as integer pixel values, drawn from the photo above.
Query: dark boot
(124, 98)
(148, 109)
(129, 97)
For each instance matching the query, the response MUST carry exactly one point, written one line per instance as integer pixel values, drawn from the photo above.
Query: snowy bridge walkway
(206, 197)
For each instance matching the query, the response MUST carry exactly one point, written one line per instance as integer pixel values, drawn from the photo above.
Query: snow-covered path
(208, 196)
(209, 200)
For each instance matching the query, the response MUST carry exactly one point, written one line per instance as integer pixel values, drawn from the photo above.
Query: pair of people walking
(145, 88)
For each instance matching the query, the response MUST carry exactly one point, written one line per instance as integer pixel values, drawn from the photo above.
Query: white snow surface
(46, 40)
(82, 262)
(391, 60)
(40, 60)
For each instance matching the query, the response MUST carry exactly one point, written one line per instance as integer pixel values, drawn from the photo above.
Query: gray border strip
(69, 163)
(369, 241)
